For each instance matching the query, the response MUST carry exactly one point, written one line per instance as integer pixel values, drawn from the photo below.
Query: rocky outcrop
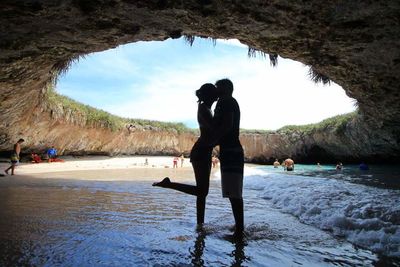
(55, 124)
(354, 43)
(350, 143)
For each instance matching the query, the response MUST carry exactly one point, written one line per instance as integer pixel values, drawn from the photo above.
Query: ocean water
(309, 217)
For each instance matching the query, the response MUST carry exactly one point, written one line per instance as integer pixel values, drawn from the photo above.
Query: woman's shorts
(232, 165)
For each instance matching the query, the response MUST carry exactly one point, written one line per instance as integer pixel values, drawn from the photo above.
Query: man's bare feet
(164, 183)
(6, 171)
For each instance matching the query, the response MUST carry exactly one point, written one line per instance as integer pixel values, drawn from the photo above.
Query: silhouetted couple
(221, 129)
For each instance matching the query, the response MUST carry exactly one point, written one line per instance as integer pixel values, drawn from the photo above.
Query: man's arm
(17, 149)
(223, 125)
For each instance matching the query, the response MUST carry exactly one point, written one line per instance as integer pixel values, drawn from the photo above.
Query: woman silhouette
(200, 155)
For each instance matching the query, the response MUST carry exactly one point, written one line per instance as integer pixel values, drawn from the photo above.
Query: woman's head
(207, 93)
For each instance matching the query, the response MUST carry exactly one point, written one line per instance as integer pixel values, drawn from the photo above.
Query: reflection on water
(121, 223)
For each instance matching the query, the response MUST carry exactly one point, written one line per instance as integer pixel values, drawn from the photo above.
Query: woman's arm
(205, 117)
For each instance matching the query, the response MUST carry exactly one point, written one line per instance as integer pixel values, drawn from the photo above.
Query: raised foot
(164, 183)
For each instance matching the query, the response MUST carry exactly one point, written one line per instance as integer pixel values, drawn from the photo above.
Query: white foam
(366, 216)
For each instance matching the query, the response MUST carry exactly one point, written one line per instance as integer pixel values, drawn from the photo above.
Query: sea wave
(366, 216)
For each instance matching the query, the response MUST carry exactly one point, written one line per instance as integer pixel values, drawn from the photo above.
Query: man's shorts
(14, 159)
(232, 165)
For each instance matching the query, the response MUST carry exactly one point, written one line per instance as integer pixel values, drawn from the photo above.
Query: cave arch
(354, 43)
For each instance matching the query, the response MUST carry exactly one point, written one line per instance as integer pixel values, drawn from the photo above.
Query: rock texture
(53, 124)
(351, 143)
(354, 43)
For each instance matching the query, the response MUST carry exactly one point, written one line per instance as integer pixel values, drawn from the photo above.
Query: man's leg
(238, 214)
(6, 170)
(12, 169)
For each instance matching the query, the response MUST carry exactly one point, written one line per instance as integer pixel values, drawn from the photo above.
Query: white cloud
(269, 97)
(231, 42)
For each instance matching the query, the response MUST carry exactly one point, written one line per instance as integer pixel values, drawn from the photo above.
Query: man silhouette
(226, 123)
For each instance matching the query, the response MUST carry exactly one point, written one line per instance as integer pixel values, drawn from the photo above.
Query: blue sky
(157, 80)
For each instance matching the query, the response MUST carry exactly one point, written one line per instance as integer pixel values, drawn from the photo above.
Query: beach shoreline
(107, 168)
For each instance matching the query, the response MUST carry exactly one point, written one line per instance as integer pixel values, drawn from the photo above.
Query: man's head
(21, 140)
(224, 87)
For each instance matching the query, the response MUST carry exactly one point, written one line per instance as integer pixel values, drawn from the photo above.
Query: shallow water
(52, 222)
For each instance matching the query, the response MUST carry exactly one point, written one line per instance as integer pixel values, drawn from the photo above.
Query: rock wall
(351, 143)
(54, 124)
(50, 124)
(354, 43)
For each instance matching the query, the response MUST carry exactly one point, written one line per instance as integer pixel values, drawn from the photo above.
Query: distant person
(146, 162)
(182, 160)
(214, 161)
(175, 162)
(318, 165)
(339, 166)
(130, 128)
(363, 167)
(289, 164)
(200, 155)
(15, 156)
(35, 158)
(276, 163)
(52, 154)
(283, 165)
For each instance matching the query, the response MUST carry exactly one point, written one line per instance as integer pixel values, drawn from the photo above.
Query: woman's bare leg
(202, 171)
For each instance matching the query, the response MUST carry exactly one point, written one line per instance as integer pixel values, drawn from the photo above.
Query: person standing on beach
(200, 155)
(226, 134)
(175, 162)
(15, 156)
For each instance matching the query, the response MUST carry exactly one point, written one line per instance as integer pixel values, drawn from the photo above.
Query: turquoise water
(384, 176)
(305, 218)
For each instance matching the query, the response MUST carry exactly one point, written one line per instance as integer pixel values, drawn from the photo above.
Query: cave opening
(156, 81)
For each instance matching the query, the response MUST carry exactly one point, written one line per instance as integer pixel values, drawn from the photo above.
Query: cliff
(78, 129)
(75, 128)
(341, 138)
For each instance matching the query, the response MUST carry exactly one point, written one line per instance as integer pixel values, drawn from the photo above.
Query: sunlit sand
(108, 168)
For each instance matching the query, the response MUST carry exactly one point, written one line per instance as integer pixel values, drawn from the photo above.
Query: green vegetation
(337, 123)
(100, 118)
(255, 131)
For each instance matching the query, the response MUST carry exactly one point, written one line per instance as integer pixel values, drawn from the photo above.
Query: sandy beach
(107, 168)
